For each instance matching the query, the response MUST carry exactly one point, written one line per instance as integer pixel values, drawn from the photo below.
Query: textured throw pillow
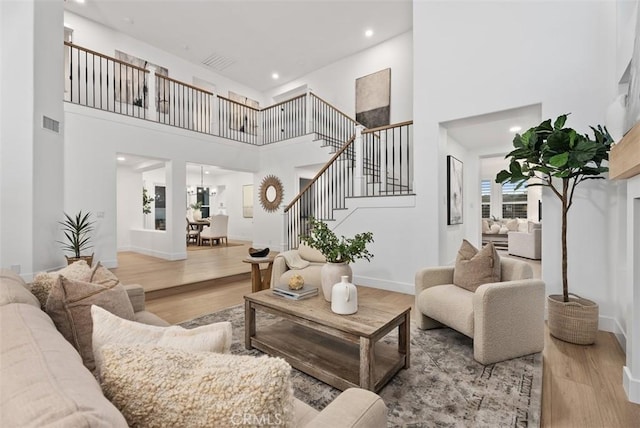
(109, 329)
(474, 268)
(523, 225)
(311, 254)
(69, 306)
(512, 225)
(485, 226)
(43, 281)
(103, 276)
(163, 387)
(495, 228)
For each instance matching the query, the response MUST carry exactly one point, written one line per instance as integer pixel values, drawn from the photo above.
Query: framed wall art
(454, 190)
(373, 99)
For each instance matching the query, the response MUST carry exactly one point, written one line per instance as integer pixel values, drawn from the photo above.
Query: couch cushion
(44, 281)
(43, 380)
(311, 254)
(155, 386)
(450, 305)
(109, 329)
(13, 289)
(474, 268)
(69, 306)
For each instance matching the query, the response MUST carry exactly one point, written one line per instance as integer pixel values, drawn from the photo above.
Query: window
(514, 202)
(485, 186)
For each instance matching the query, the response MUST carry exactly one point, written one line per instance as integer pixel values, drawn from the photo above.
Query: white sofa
(44, 382)
(526, 244)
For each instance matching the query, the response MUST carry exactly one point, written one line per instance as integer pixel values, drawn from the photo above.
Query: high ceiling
(248, 41)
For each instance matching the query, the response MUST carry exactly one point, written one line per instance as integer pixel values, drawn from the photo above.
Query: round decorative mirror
(271, 193)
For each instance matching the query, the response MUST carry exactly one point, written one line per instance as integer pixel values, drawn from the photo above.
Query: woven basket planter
(88, 259)
(575, 321)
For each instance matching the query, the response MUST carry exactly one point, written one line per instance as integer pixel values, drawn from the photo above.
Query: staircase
(371, 163)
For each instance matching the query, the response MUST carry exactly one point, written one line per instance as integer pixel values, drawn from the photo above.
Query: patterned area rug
(444, 387)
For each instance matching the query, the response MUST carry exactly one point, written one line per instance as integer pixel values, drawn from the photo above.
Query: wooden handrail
(183, 84)
(324, 168)
(336, 109)
(382, 128)
(285, 101)
(105, 56)
(239, 103)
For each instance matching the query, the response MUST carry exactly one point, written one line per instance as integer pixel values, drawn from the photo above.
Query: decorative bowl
(255, 252)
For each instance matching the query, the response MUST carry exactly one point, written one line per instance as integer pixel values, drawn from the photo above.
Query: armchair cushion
(449, 305)
(474, 268)
(311, 254)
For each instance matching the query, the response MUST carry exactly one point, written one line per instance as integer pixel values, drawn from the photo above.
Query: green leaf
(559, 160)
(560, 121)
(503, 176)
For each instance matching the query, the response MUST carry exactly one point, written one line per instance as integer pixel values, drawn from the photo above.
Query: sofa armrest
(136, 295)
(354, 408)
(508, 319)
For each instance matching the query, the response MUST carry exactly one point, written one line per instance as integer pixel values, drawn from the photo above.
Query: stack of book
(303, 293)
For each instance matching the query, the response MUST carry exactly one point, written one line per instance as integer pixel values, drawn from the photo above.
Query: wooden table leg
(266, 277)
(404, 337)
(249, 324)
(256, 280)
(367, 364)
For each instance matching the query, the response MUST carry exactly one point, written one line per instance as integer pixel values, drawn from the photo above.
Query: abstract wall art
(373, 99)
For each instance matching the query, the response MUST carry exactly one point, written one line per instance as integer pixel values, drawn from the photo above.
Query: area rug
(444, 387)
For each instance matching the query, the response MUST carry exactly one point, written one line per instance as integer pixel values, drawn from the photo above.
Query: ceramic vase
(330, 274)
(197, 215)
(344, 297)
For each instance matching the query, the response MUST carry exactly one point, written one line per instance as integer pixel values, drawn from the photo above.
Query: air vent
(51, 124)
(218, 62)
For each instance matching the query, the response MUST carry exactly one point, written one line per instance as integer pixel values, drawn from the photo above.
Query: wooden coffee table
(341, 350)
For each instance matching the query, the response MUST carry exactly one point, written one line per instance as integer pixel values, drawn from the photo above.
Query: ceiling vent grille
(218, 62)
(51, 124)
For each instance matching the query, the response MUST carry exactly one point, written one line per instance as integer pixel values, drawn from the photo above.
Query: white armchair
(505, 319)
(526, 244)
(304, 261)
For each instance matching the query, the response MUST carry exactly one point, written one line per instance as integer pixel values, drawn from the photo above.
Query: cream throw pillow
(103, 276)
(69, 306)
(109, 329)
(164, 387)
(44, 281)
(474, 268)
(512, 225)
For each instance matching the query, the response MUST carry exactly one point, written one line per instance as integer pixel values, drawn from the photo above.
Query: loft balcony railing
(106, 83)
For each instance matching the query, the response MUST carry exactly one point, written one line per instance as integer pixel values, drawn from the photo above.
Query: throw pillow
(495, 228)
(485, 226)
(311, 254)
(109, 329)
(43, 281)
(69, 306)
(103, 276)
(523, 225)
(474, 268)
(512, 225)
(156, 387)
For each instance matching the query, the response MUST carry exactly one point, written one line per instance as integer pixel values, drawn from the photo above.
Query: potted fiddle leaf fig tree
(77, 231)
(560, 158)
(339, 252)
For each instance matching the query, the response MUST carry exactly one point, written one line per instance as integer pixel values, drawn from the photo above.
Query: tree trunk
(565, 208)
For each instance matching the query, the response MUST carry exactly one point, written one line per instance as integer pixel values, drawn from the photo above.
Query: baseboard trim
(382, 284)
(631, 385)
(610, 324)
(160, 254)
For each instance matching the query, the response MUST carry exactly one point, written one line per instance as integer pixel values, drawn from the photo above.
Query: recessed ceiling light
(515, 128)
(121, 158)
(80, 1)
(206, 172)
(368, 33)
(275, 76)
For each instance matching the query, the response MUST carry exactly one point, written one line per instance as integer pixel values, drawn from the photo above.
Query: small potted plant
(146, 201)
(197, 214)
(339, 252)
(560, 158)
(76, 231)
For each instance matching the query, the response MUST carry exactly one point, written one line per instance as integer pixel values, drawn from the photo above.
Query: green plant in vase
(77, 231)
(339, 252)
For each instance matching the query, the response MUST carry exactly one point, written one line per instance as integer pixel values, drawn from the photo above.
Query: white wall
(471, 58)
(129, 205)
(92, 35)
(31, 157)
(335, 83)
(452, 235)
(93, 138)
